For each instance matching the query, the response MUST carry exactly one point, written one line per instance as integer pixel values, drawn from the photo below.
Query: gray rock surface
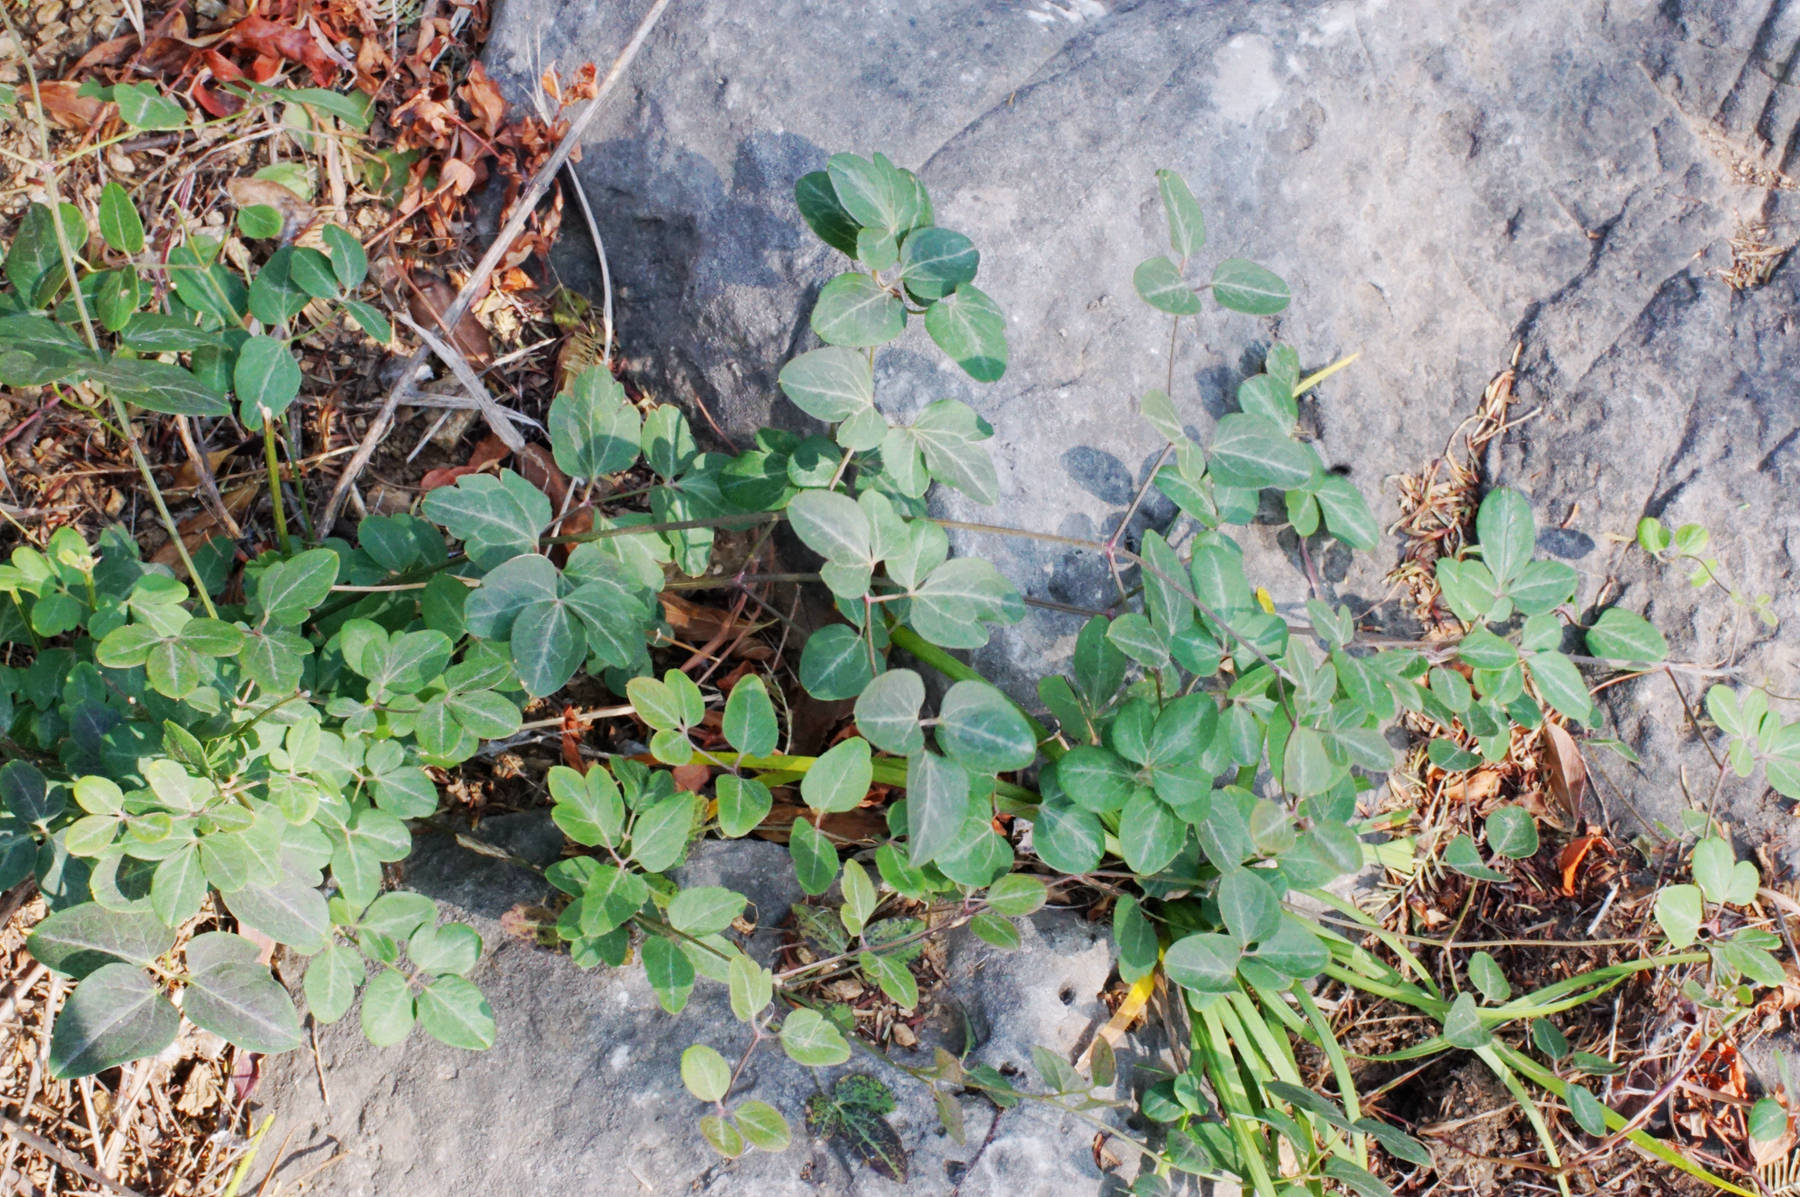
(581, 1092)
(1438, 181)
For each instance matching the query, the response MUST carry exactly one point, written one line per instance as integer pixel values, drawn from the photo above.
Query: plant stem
(274, 466)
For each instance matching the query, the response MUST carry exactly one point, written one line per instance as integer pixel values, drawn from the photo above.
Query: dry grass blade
(497, 419)
(534, 191)
(63, 1158)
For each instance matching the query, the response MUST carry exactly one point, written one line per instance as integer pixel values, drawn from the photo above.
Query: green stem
(1015, 799)
(274, 465)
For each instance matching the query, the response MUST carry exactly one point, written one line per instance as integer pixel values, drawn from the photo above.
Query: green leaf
(1462, 1025)
(1306, 766)
(1246, 287)
(1294, 950)
(1586, 1109)
(497, 518)
(311, 271)
(1719, 873)
(669, 971)
(594, 429)
(178, 886)
(743, 804)
(159, 387)
(349, 261)
(751, 987)
(1066, 837)
(839, 780)
(660, 834)
(857, 311)
(1347, 513)
(79, 940)
(1560, 685)
(452, 1011)
(815, 858)
(934, 262)
(266, 378)
(331, 980)
(369, 319)
(763, 1126)
(143, 106)
(34, 253)
(894, 977)
(1136, 939)
(834, 663)
(1462, 855)
(1016, 895)
(705, 910)
(810, 1040)
(749, 721)
(1624, 636)
(1251, 452)
(830, 384)
(980, 728)
(824, 213)
(1768, 1120)
(1548, 1039)
(722, 1136)
(233, 996)
(387, 1008)
(588, 809)
(1504, 526)
(887, 712)
(937, 805)
(971, 330)
(948, 434)
(1150, 833)
(1485, 974)
(1096, 779)
(259, 222)
(548, 645)
(832, 525)
(114, 1016)
(120, 225)
(705, 1073)
(1512, 832)
(872, 192)
(1542, 586)
(1159, 283)
(1248, 905)
(1187, 228)
(289, 912)
(116, 298)
(1205, 963)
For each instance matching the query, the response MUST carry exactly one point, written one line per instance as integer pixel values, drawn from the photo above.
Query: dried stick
(490, 411)
(534, 191)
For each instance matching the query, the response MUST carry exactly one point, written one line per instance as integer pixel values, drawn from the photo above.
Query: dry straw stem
(534, 191)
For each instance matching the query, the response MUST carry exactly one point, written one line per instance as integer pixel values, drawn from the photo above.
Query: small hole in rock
(1066, 994)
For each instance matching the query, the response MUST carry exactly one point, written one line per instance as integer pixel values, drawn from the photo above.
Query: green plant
(1204, 764)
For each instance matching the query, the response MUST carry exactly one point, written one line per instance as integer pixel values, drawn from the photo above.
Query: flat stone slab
(1439, 182)
(582, 1092)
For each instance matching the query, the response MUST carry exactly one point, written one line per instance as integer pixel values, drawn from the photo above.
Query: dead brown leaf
(1568, 772)
(74, 112)
(430, 296)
